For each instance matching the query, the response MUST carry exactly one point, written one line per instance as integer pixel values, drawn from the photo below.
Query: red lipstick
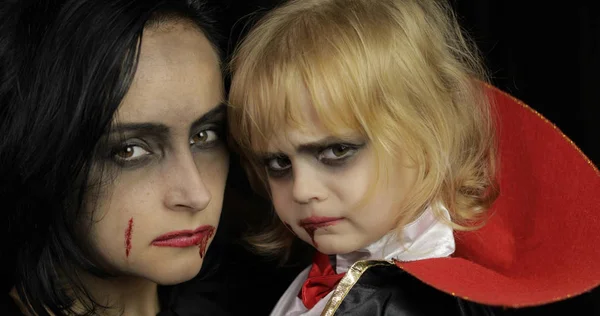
(184, 238)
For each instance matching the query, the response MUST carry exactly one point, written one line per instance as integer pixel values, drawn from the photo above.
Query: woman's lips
(184, 238)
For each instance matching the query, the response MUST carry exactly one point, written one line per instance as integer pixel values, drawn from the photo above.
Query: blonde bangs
(297, 66)
(400, 73)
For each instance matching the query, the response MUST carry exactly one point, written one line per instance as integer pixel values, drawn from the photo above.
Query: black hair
(65, 66)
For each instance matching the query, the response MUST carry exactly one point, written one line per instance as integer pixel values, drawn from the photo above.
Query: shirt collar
(424, 238)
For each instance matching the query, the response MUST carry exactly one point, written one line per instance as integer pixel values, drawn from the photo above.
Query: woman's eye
(131, 152)
(337, 152)
(204, 137)
(279, 163)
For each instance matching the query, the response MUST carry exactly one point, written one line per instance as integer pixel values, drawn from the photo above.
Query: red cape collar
(540, 244)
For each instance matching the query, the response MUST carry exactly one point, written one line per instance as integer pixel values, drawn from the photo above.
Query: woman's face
(163, 173)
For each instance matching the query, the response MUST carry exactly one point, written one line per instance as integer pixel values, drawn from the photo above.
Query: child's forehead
(290, 136)
(291, 115)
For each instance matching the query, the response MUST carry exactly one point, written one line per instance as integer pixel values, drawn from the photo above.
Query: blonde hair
(400, 72)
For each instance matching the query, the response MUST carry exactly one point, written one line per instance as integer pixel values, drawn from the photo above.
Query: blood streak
(310, 229)
(128, 232)
(204, 242)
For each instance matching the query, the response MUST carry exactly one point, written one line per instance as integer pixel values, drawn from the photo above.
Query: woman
(371, 127)
(114, 163)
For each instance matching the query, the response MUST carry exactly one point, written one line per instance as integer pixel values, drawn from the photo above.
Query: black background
(547, 55)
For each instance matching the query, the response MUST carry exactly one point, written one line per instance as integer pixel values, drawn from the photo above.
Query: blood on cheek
(128, 232)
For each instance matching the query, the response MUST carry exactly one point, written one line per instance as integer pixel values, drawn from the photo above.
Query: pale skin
(168, 175)
(313, 173)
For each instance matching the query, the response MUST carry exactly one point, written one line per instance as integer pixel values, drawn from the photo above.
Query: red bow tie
(321, 280)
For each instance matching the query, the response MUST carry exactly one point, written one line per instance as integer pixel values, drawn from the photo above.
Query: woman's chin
(176, 271)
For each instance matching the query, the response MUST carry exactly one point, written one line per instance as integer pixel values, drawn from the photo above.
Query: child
(372, 129)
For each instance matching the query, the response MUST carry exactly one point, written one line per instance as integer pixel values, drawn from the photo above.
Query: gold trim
(348, 281)
(358, 268)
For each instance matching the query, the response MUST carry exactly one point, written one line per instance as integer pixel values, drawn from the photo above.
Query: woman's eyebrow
(157, 129)
(162, 130)
(217, 113)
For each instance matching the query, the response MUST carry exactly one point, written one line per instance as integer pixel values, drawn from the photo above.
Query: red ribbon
(321, 280)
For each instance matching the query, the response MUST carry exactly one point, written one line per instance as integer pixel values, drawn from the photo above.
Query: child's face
(318, 182)
(170, 162)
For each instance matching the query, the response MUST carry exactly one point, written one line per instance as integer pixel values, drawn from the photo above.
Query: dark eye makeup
(332, 155)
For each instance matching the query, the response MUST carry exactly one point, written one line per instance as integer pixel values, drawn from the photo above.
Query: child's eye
(279, 163)
(278, 166)
(337, 152)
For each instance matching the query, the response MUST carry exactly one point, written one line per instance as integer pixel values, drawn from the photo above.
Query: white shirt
(424, 238)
